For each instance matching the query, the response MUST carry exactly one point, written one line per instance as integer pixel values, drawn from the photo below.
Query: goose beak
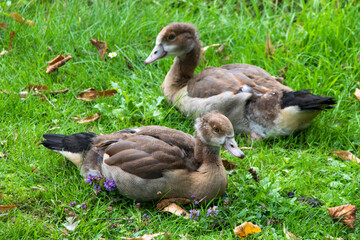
(233, 148)
(157, 53)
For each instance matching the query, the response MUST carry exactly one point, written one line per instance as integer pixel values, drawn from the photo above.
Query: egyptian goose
(154, 162)
(255, 102)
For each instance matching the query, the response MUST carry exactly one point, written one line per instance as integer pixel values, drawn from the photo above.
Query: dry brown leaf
(166, 202)
(220, 49)
(176, 209)
(228, 165)
(57, 62)
(346, 156)
(3, 25)
(91, 94)
(357, 93)
(7, 207)
(344, 213)
(0, 196)
(37, 88)
(146, 236)
(289, 235)
(17, 17)
(12, 34)
(34, 169)
(101, 46)
(246, 229)
(91, 118)
(269, 49)
(228, 57)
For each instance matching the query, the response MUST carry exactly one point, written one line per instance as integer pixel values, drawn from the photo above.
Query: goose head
(176, 39)
(216, 130)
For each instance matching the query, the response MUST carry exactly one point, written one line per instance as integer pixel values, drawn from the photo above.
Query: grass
(319, 42)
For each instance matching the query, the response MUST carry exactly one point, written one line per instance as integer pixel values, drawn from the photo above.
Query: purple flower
(92, 179)
(109, 185)
(196, 202)
(72, 204)
(212, 212)
(193, 196)
(146, 216)
(194, 214)
(247, 210)
(83, 206)
(226, 201)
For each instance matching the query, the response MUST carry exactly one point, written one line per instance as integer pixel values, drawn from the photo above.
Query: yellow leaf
(245, 229)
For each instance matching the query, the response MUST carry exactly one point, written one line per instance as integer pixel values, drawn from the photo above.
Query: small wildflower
(109, 185)
(83, 206)
(226, 201)
(72, 204)
(247, 210)
(112, 54)
(138, 205)
(194, 214)
(212, 212)
(109, 208)
(192, 196)
(146, 216)
(97, 189)
(196, 202)
(71, 213)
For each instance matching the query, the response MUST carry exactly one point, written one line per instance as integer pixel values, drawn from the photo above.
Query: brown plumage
(255, 102)
(153, 162)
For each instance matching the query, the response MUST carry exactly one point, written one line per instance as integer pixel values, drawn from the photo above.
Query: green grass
(322, 45)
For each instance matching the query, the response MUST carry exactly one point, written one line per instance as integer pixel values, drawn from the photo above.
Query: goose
(155, 162)
(256, 102)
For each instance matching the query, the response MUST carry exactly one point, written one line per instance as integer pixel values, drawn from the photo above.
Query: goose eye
(216, 129)
(171, 37)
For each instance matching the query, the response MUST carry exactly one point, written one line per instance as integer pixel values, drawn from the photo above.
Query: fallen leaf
(101, 46)
(207, 47)
(60, 91)
(17, 17)
(246, 148)
(3, 52)
(37, 88)
(3, 25)
(57, 62)
(128, 64)
(346, 155)
(91, 94)
(245, 229)
(176, 209)
(357, 93)
(254, 174)
(3, 155)
(91, 118)
(0, 196)
(34, 169)
(12, 34)
(166, 202)
(269, 49)
(146, 236)
(289, 235)
(29, 23)
(220, 49)
(70, 223)
(228, 165)
(344, 213)
(7, 207)
(228, 57)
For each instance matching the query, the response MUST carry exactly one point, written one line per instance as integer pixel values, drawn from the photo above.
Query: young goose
(153, 162)
(255, 102)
